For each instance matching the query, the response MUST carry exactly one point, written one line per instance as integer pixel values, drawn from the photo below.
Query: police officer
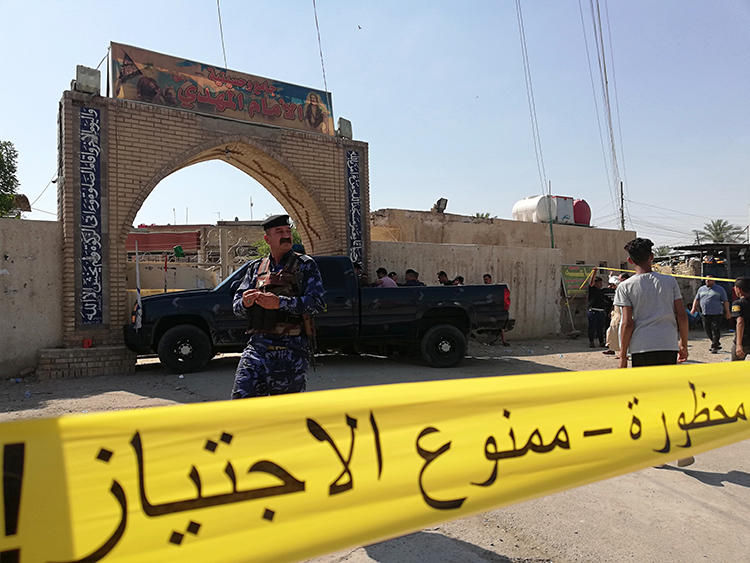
(278, 294)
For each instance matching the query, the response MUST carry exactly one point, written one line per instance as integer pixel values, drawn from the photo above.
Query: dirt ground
(666, 513)
(153, 386)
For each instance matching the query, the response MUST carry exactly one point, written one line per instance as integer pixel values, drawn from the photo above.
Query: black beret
(276, 221)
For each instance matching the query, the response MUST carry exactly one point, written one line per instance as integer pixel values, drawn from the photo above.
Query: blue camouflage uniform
(273, 364)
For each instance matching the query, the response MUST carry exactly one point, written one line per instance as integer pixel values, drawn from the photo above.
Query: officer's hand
(267, 300)
(249, 297)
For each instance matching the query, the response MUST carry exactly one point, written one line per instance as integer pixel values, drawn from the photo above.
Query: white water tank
(539, 209)
(535, 209)
(564, 209)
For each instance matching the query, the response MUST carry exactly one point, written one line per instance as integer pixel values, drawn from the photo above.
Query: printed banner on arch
(146, 76)
(289, 477)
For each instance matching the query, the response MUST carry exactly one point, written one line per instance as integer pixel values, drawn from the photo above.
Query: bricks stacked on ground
(63, 363)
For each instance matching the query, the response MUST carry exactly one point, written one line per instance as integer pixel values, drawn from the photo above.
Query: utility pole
(251, 208)
(549, 207)
(174, 216)
(622, 207)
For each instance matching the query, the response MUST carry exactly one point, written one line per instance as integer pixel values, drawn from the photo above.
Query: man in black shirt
(443, 278)
(741, 312)
(597, 305)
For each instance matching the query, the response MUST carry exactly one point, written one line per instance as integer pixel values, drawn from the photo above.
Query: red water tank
(581, 212)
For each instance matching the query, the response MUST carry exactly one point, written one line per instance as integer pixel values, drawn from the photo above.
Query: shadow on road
(152, 385)
(336, 371)
(740, 478)
(432, 547)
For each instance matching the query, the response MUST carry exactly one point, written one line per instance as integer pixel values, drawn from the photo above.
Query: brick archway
(101, 187)
(315, 222)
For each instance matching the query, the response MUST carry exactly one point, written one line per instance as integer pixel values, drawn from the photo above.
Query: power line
(614, 88)
(596, 107)
(599, 41)
(103, 59)
(52, 181)
(668, 209)
(661, 227)
(43, 211)
(530, 98)
(221, 33)
(322, 64)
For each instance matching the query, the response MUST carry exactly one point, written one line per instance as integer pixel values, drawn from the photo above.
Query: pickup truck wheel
(184, 348)
(443, 346)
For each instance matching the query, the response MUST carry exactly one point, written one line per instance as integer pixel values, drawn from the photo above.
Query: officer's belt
(275, 348)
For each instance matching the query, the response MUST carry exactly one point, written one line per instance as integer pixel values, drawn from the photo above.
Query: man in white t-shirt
(653, 315)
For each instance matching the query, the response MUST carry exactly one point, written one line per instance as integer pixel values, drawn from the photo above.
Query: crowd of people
(652, 303)
(411, 278)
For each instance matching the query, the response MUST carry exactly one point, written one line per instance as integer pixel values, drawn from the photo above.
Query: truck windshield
(238, 275)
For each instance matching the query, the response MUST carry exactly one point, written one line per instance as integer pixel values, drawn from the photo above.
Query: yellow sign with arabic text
(290, 477)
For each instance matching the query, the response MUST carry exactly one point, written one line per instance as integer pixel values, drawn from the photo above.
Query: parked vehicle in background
(186, 329)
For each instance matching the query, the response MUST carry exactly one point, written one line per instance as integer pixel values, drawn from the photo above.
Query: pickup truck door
(390, 313)
(230, 329)
(340, 321)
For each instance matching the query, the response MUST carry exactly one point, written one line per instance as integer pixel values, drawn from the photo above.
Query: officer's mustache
(286, 240)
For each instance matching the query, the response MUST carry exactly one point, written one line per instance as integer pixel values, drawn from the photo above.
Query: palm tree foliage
(719, 230)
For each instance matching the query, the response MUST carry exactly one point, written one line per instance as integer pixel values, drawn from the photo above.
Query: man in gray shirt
(650, 302)
(714, 304)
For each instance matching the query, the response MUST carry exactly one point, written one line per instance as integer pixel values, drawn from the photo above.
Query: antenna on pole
(174, 216)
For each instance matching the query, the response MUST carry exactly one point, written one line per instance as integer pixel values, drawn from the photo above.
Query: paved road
(698, 513)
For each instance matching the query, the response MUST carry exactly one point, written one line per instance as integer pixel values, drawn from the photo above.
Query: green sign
(574, 276)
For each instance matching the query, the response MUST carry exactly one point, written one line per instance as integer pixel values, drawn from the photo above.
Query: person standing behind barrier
(487, 279)
(412, 278)
(650, 302)
(741, 312)
(713, 301)
(383, 279)
(596, 309)
(278, 295)
(613, 332)
(443, 278)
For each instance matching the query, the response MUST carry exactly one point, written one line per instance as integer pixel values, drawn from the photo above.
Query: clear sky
(437, 90)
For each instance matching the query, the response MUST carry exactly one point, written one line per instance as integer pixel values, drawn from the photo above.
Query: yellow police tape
(289, 477)
(656, 269)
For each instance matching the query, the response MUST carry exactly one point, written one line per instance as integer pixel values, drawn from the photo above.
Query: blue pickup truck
(187, 328)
